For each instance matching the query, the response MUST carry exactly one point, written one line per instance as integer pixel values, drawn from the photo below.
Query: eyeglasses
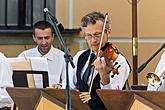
(96, 35)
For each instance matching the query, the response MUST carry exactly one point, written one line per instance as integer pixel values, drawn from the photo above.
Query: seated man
(160, 72)
(104, 77)
(5, 81)
(43, 36)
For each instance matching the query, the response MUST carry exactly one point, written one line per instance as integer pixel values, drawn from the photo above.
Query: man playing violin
(92, 26)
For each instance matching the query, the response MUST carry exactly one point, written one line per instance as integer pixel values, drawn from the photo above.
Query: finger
(83, 93)
(84, 96)
(85, 100)
(103, 61)
(56, 87)
(98, 59)
(81, 97)
(97, 62)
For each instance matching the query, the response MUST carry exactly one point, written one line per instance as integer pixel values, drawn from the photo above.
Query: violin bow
(85, 96)
(98, 52)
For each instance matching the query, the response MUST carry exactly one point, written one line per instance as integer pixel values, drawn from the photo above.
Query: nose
(43, 41)
(93, 39)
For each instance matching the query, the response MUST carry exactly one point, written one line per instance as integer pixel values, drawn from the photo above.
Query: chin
(95, 49)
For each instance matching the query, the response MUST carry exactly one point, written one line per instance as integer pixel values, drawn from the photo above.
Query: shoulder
(121, 58)
(163, 56)
(28, 52)
(57, 51)
(79, 53)
(161, 63)
(162, 59)
(77, 56)
(2, 57)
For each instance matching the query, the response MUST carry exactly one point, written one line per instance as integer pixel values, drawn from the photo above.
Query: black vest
(95, 103)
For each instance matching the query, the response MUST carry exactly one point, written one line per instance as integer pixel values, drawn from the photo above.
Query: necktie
(88, 69)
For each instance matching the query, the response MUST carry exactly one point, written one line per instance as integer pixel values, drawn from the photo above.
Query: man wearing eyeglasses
(92, 26)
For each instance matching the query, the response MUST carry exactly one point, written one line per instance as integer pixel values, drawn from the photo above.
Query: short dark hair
(42, 25)
(92, 17)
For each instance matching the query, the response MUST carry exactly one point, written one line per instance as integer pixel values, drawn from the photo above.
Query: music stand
(22, 67)
(28, 98)
(139, 87)
(127, 100)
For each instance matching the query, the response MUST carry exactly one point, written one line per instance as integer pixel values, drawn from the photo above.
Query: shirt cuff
(107, 86)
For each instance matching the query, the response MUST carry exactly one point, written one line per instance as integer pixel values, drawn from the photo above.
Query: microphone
(145, 64)
(59, 25)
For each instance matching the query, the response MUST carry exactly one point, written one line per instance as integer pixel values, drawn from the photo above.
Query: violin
(110, 52)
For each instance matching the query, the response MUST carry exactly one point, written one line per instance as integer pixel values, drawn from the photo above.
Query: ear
(109, 32)
(53, 37)
(34, 38)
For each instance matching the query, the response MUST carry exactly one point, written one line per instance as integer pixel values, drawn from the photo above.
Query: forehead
(93, 28)
(43, 32)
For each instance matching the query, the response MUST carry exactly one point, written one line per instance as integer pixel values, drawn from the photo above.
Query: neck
(43, 52)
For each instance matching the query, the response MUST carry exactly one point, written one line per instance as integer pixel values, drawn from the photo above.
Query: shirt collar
(49, 55)
(91, 51)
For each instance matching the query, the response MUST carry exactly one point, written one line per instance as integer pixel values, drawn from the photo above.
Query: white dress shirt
(160, 67)
(5, 81)
(56, 65)
(117, 82)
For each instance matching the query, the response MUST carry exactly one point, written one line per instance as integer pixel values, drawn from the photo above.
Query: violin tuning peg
(115, 63)
(118, 66)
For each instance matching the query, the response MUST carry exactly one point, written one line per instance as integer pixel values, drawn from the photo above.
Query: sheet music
(36, 63)
(39, 63)
(32, 64)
